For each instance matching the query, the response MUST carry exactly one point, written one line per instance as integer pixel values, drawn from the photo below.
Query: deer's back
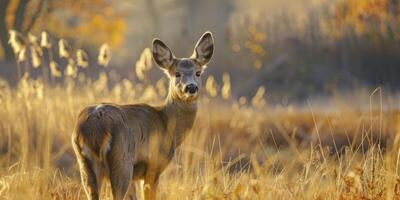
(99, 126)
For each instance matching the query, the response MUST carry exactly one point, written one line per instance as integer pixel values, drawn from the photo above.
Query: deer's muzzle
(191, 89)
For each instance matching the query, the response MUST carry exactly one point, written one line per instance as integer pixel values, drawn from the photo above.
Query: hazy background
(300, 100)
(295, 48)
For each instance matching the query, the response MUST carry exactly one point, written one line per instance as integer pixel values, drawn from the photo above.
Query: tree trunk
(20, 15)
(154, 17)
(8, 54)
(42, 7)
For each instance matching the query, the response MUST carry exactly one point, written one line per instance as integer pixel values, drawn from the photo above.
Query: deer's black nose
(191, 89)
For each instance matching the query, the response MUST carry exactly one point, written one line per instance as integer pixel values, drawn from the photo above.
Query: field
(300, 99)
(238, 149)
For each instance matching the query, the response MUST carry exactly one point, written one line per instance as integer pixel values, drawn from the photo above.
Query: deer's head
(184, 73)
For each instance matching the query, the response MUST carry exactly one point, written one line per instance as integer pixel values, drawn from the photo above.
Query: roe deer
(136, 142)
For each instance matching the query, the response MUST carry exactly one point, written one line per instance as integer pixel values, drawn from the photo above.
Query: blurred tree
(154, 16)
(14, 15)
(3, 30)
(379, 17)
(367, 39)
(90, 22)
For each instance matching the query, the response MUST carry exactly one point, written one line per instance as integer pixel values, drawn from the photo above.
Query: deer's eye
(177, 75)
(198, 73)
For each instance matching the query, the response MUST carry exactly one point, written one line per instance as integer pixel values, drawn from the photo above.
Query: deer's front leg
(150, 185)
(132, 191)
(150, 190)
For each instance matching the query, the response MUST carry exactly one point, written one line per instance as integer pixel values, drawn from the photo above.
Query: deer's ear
(162, 54)
(204, 48)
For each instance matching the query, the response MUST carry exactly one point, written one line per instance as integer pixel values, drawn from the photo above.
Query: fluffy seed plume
(35, 55)
(258, 100)
(35, 50)
(211, 86)
(82, 58)
(44, 40)
(55, 71)
(242, 101)
(160, 86)
(22, 55)
(32, 39)
(143, 64)
(71, 69)
(104, 55)
(226, 88)
(63, 48)
(16, 41)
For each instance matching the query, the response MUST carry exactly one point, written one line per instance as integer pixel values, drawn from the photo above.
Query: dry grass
(238, 149)
(235, 151)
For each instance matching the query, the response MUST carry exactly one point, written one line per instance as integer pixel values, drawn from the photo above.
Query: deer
(129, 143)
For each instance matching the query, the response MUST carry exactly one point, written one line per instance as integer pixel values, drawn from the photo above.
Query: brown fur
(132, 142)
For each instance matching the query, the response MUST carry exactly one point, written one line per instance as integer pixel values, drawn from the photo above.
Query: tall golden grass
(238, 149)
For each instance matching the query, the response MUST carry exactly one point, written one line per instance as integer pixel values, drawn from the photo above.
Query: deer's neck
(180, 117)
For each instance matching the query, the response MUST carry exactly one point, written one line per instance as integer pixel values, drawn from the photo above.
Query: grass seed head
(143, 64)
(63, 49)
(44, 40)
(104, 55)
(22, 55)
(35, 55)
(71, 69)
(16, 41)
(32, 39)
(226, 88)
(258, 99)
(55, 71)
(82, 58)
(211, 86)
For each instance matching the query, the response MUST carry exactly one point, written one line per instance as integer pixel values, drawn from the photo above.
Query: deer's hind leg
(120, 167)
(133, 191)
(120, 176)
(90, 180)
(151, 184)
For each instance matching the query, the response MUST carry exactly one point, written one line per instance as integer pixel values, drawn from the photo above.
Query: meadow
(343, 148)
(299, 101)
